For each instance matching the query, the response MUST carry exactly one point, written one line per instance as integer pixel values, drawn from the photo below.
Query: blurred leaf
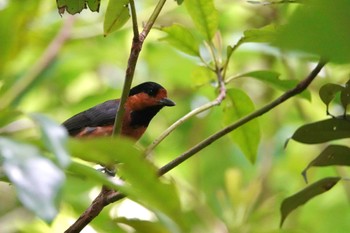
(143, 226)
(117, 14)
(182, 39)
(323, 131)
(327, 93)
(291, 203)
(37, 180)
(261, 35)
(345, 96)
(55, 138)
(144, 186)
(73, 6)
(179, 2)
(319, 27)
(202, 76)
(272, 78)
(88, 173)
(332, 155)
(204, 16)
(8, 116)
(247, 137)
(103, 150)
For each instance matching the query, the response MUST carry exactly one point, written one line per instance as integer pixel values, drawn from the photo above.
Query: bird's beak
(166, 102)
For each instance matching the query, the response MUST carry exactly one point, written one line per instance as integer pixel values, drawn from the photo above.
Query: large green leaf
(204, 16)
(74, 6)
(332, 155)
(291, 203)
(37, 180)
(103, 150)
(182, 39)
(117, 14)
(272, 78)
(260, 35)
(319, 27)
(143, 186)
(55, 138)
(323, 131)
(247, 137)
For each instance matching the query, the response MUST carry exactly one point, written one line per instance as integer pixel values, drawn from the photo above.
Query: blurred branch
(44, 61)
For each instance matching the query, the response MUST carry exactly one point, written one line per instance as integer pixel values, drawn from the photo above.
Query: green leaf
(332, 155)
(74, 6)
(143, 226)
(103, 150)
(323, 131)
(261, 35)
(318, 27)
(37, 180)
(88, 173)
(55, 138)
(247, 137)
(182, 39)
(272, 78)
(345, 96)
(327, 93)
(143, 186)
(291, 203)
(204, 16)
(202, 76)
(8, 116)
(117, 14)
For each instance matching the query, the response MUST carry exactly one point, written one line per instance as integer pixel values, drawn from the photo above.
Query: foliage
(228, 65)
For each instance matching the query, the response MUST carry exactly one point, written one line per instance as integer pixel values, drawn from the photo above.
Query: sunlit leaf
(73, 6)
(318, 27)
(247, 137)
(204, 16)
(263, 35)
(323, 131)
(103, 150)
(182, 39)
(291, 203)
(117, 14)
(202, 76)
(37, 180)
(327, 93)
(55, 138)
(272, 78)
(143, 226)
(332, 155)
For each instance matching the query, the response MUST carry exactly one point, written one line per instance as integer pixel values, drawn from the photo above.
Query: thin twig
(298, 89)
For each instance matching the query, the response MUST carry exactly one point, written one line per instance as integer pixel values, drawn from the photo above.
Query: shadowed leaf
(327, 93)
(332, 155)
(323, 131)
(291, 203)
(74, 6)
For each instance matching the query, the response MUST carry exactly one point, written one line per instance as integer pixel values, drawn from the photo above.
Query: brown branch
(107, 197)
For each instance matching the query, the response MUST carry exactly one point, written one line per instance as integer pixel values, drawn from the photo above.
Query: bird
(143, 103)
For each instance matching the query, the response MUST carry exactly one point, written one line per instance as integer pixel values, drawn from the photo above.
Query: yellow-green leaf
(117, 14)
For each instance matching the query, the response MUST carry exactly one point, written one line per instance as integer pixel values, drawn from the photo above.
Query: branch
(301, 86)
(44, 61)
(114, 196)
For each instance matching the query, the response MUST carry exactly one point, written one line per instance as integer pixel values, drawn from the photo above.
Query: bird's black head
(144, 102)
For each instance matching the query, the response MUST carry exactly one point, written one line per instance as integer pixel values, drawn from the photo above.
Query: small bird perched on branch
(144, 102)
